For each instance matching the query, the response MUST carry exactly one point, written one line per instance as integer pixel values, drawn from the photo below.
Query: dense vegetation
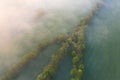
(51, 68)
(77, 46)
(73, 45)
(15, 69)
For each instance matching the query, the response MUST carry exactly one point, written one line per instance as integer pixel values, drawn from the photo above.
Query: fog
(25, 23)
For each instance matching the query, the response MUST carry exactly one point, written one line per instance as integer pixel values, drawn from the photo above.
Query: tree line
(73, 45)
(15, 69)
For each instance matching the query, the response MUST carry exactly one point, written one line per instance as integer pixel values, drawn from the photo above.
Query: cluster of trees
(72, 42)
(77, 45)
(50, 70)
(15, 69)
(76, 72)
(73, 45)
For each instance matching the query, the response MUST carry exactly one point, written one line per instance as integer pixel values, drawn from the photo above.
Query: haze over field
(24, 23)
